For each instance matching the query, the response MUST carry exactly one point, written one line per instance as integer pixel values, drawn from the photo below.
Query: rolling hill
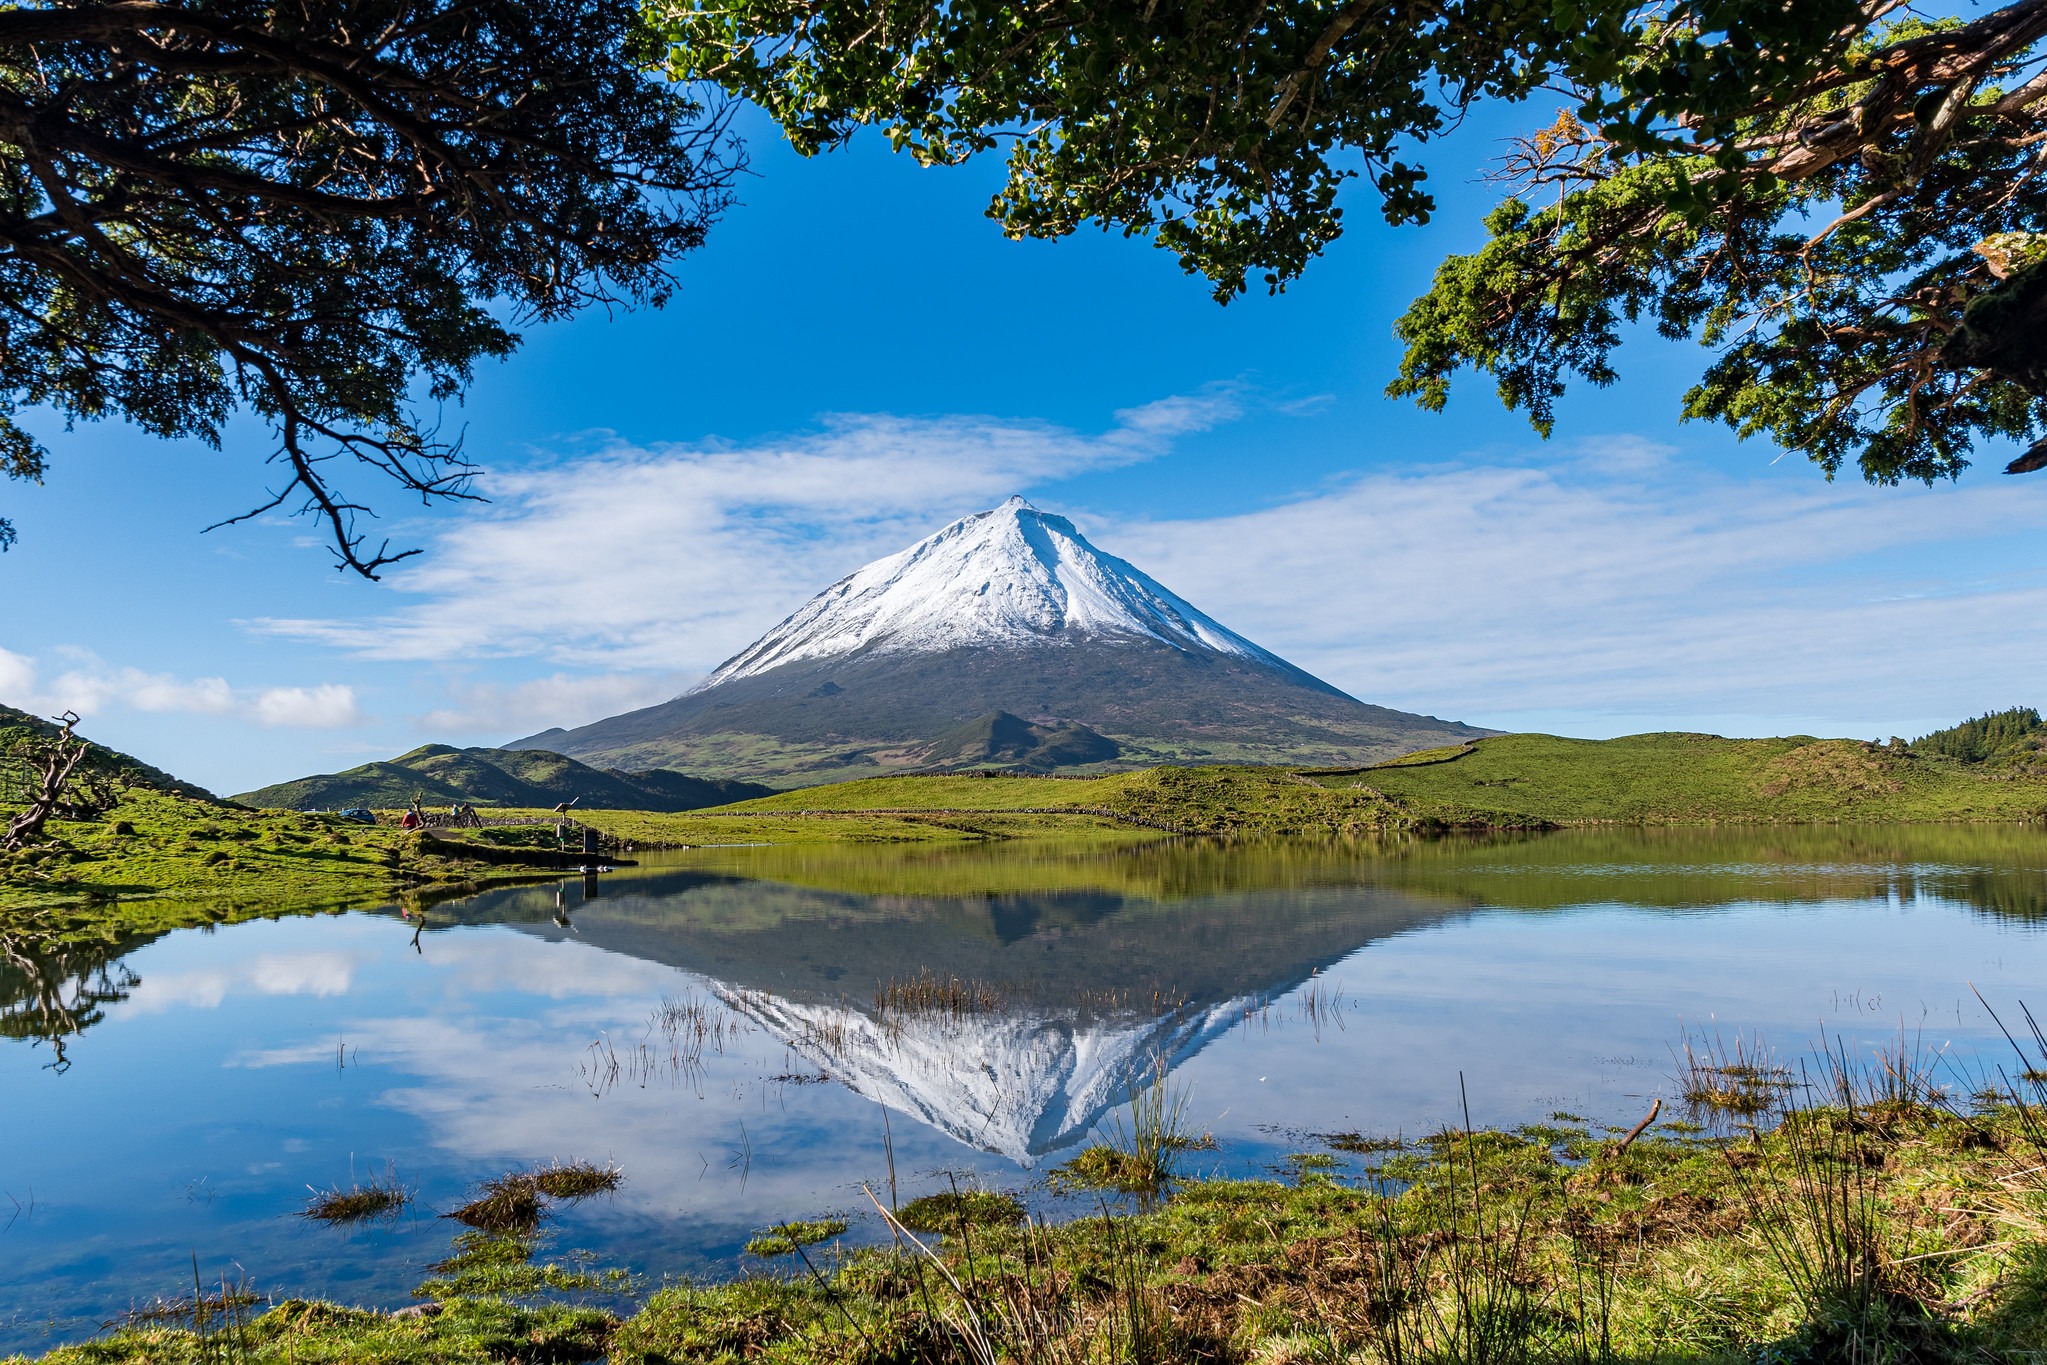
(522, 778)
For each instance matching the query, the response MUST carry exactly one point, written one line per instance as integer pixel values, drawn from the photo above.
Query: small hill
(1677, 778)
(440, 775)
(999, 738)
(19, 726)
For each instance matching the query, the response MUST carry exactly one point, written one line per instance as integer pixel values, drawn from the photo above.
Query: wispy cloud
(90, 687)
(563, 699)
(1624, 581)
(1608, 578)
(672, 558)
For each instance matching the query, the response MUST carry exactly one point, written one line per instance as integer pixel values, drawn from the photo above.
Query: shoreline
(1692, 1241)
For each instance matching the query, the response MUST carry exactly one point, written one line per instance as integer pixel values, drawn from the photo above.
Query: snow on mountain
(1019, 1084)
(1013, 576)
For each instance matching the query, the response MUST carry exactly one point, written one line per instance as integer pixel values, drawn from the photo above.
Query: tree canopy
(325, 211)
(1842, 199)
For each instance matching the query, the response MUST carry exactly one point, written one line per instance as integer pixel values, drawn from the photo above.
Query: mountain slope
(1007, 612)
(441, 776)
(19, 728)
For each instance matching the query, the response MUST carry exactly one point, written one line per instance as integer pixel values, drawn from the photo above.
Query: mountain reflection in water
(172, 1094)
(1124, 959)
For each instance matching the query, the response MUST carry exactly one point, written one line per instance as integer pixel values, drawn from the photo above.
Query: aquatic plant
(1743, 1082)
(510, 1205)
(948, 1210)
(1143, 1157)
(573, 1180)
(507, 1205)
(951, 997)
(784, 1238)
(357, 1203)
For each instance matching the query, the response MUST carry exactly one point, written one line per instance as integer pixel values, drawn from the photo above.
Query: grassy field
(193, 857)
(1507, 782)
(1215, 800)
(160, 843)
(1684, 778)
(1898, 1225)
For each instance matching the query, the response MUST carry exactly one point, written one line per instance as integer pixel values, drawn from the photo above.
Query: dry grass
(1745, 1081)
(511, 1205)
(357, 1203)
(927, 993)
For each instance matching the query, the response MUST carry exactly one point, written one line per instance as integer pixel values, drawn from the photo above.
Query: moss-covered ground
(1889, 1230)
(159, 858)
(181, 846)
(1685, 778)
(1506, 782)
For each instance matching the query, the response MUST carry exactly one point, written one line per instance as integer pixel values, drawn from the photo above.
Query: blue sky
(858, 357)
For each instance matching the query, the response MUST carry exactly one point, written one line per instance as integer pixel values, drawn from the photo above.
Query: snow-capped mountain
(1005, 640)
(1011, 577)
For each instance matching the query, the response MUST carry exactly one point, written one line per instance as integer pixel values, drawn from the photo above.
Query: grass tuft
(507, 1206)
(576, 1179)
(947, 1210)
(784, 1238)
(1744, 1082)
(358, 1203)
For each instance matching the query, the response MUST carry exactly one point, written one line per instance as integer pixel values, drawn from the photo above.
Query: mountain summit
(1005, 640)
(1012, 577)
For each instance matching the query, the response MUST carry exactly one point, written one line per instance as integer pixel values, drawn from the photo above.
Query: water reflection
(1099, 962)
(51, 990)
(1073, 992)
(1004, 996)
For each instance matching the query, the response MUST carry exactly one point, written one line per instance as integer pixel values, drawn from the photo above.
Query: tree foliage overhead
(1840, 198)
(324, 211)
(1222, 127)
(1863, 241)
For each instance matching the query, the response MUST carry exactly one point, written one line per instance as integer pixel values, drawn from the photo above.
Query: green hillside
(1504, 782)
(520, 778)
(1687, 778)
(130, 832)
(19, 727)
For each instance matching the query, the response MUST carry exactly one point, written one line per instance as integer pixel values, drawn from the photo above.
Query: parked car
(360, 814)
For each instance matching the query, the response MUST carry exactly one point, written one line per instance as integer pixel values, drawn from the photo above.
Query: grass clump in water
(511, 1205)
(1144, 1157)
(784, 1238)
(576, 1179)
(948, 1210)
(1744, 1082)
(358, 1203)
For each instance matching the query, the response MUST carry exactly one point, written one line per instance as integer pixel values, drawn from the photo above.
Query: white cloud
(305, 973)
(94, 688)
(325, 707)
(1624, 581)
(561, 699)
(673, 558)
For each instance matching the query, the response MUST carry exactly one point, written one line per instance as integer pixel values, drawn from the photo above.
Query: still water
(716, 1023)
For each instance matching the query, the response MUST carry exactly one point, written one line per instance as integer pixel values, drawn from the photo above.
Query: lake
(752, 1034)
